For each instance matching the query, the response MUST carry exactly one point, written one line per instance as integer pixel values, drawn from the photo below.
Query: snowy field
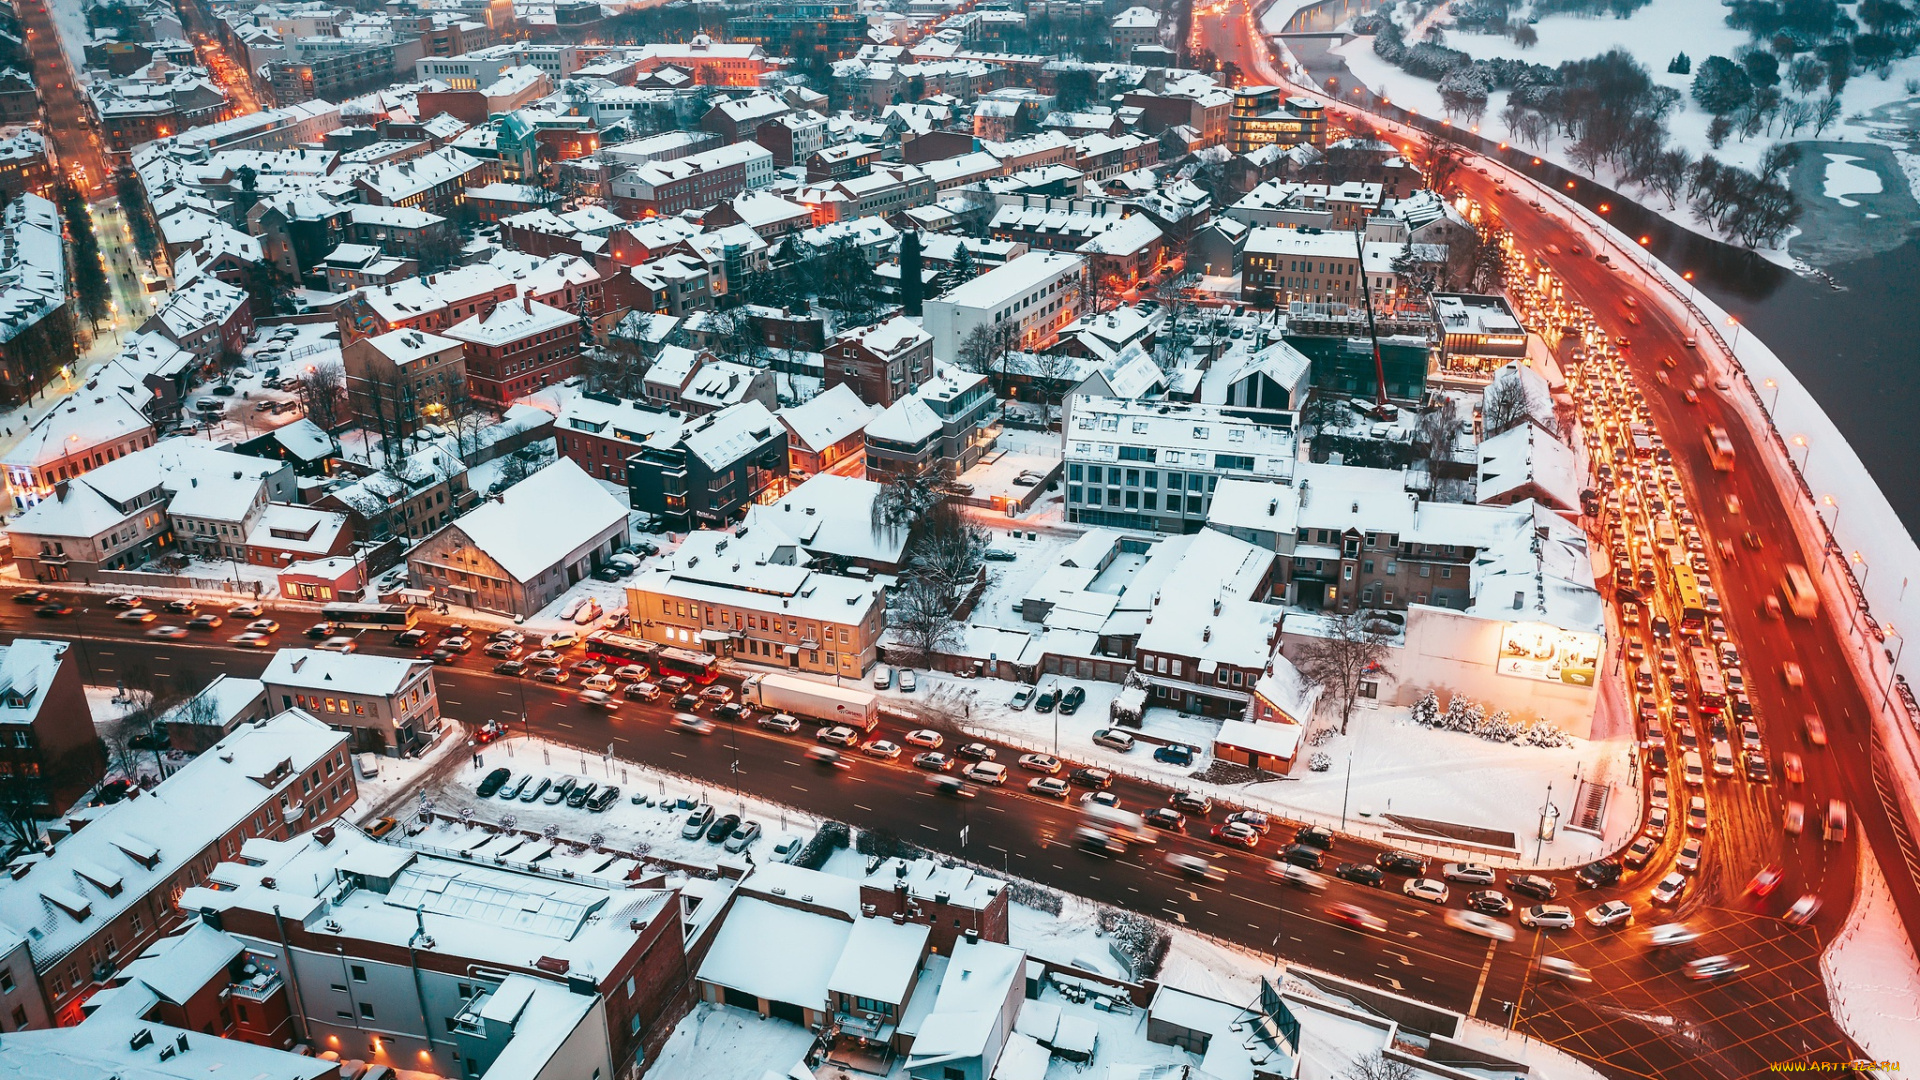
(652, 829)
(1653, 34)
(1873, 980)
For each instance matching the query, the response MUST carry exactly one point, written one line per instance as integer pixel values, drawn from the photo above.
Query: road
(68, 121)
(1031, 837)
(1626, 1023)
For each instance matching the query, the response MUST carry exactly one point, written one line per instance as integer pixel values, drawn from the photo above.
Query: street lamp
(1893, 670)
(1771, 402)
(1865, 567)
(1828, 499)
(1801, 442)
(1735, 348)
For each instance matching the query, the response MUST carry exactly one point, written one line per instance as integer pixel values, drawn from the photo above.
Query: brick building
(518, 347)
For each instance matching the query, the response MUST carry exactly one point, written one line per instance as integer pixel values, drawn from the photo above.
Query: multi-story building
(517, 348)
(1203, 108)
(399, 381)
(208, 318)
(80, 433)
(489, 560)
(1264, 115)
(709, 471)
(1477, 333)
(46, 725)
(165, 100)
(1136, 26)
(1210, 635)
(36, 324)
(1346, 206)
(882, 363)
(385, 704)
(103, 893)
(1281, 266)
(410, 497)
(745, 596)
(888, 189)
(599, 432)
(827, 435)
(712, 63)
(945, 426)
(24, 165)
(331, 69)
(1026, 302)
(1151, 465)
(702, 179)
(829, 28)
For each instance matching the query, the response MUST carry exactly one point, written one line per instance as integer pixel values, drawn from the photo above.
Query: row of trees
(89, 270)
(943, 554)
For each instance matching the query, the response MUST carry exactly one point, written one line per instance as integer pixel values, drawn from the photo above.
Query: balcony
(260, 987)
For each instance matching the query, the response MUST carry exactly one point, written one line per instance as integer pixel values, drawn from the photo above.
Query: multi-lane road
(75, 140)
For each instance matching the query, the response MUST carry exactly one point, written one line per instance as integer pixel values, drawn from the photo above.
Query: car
(1756, 766)
(1794, 819)
(951, 786)
(689, 724)
(1563, 969)
(1098, 779)
(1670, 889)
(882, 749)
(53, 610)
(1113, 739)
(139, 615)
(337, 644)
(1046, 701)
(457, 643)
(1610, 913)
(124, 600)
(1547, 917)
(998, 555)
(512, 791)
(1040, 763)
(264, 626)
(533, 792)
(249, 639)
(1100, 798)
(717, 694)
(1792, 674)
(933, 761)
(1792, 767)
(183, 606)
(986, 772)
(514, 668)
(443, 656)
(1051, 787)
(780, 722)
(1533, 885)
(722, 828)
(908, 681)
(924, 738)
(686, 703)
(544, 658)
(494, 781)
(696, 823)
(1433, 892)
(1802, 911)
(36, 597)
(838, 735)
(168, 632)
(745, 833)
(603, 799)
(554, 675)
(1355, 917)
(561, 788)
(640, 691)
(626, 673)
(1360, 874)
(1468, 873)
(382, 827)
(1174, 754)
(1490, 902)
(501, 650)
(599, 699)
(1816, 731)
(1479, 925)
(1022, 698)
(1402, 862)
(977, 751)
(246, 611)
(1192, 802)
(1751, 539)
(1165, 817)
(1767, 880)
(1071, 700)
(1697, 814)
(1234, 832)
(1713, 968)
(1656, 825)
(1690, 851)
(1253, 819)
(590, 666)
(1640, 852)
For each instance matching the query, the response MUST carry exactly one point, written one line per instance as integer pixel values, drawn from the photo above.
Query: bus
(617, 649)
(395, 617)
(1686, 588)
(1797, 587)
(1709, 689)
(1720, 449)
(697, 666)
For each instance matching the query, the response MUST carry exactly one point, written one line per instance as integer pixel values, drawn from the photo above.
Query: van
(1722, 758)
(368, 764)
(882, 676)
(1836, 821)
(1797, 589)
(1694, 771)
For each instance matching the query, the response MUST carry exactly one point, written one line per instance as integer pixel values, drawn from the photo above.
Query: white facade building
(1035, 294)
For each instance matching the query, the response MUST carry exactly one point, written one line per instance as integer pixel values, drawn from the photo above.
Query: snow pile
(1873, 980)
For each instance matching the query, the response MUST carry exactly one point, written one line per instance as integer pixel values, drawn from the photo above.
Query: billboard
(1548, 653)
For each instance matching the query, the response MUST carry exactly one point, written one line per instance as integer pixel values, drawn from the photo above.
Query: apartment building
(710, 470)
(106, 891)
(384, 704)
(883, 362)
(1149, 465)
(400, 381)
(518, 347)
(745, 596)
(702, 179)
(80, 433)
(1266, 116)
(827, 435)
(1027, 300)
(945, 426)
(599, 432)
(46, 728)
(1282, 266)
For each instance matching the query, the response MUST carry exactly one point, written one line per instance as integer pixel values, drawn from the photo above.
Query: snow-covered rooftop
(829, 417)
(541, 520)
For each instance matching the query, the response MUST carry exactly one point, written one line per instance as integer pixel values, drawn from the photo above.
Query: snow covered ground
(715, 1042)
(1653, 34)
(652, 829)
(1873, 980)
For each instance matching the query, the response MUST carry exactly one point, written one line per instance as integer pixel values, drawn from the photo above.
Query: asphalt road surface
(77, 144)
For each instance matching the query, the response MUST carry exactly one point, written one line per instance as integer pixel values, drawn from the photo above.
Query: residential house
(81, 432)
(944, 427)
(600, 432)
(411, 497)
(518, 347)
(386, 704)
(826, 435)
(711, 469)
(46, 727)
(882, 363)
(400, 381)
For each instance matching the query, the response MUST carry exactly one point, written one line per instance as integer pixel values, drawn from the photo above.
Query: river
(1846, 328)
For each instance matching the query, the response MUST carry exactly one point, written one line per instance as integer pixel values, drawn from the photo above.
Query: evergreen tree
(911, 284)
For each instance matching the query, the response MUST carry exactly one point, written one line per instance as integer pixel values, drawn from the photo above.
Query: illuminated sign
(1548, 653)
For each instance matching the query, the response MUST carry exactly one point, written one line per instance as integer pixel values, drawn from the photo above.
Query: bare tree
(1506, 403)
(323, 391)
(984, 351)
(923, 618)
(947, 547)
(1377, 1066)
(1439, 431)
(1341, 660)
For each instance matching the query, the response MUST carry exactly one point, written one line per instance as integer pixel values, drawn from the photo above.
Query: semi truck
(817, 701)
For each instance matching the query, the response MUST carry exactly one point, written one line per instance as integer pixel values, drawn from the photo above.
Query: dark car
(322, 630)
(1165, 817)
(1490, 902)
(53, 610)
(1598, 874)
(1192, 802)
(1046, 701)
(1070, 701)
(1360, 874)
(722, 828)
(578, 797)
(1402, 862)
(510, 667)
(1314, 836)
(607, 797)
(1092, 778)
(1301, 855)
(731, 712)
(33, 598)
(1533, 885)
(444, 656)
(687, 702)
(976, 751)
(1174, 754)
(410, 639)
(495, 780)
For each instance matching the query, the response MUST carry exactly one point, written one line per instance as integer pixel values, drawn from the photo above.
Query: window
(366, 1010)
(6, 982)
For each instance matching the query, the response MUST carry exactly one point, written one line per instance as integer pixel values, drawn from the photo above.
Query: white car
(882, 749)
(1047, 787)
(925, 739)
(908, 681)
(1479, 925)
(1670, 889)
(1668, 935)
(1040, 763)
(1467, 873)
(337, 644)
(1547, 917)
(1611, 913)
(986, 772)
(1433, 892)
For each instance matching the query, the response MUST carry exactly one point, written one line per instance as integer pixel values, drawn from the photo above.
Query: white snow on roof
(352, 673)
(776, 952)
(27, 670)
(833, 515)
(94, 417)
(509, 322)
(721, 438)
(980, 975)
(1205, 611)
(1523, 455)
(541, 520)
(1268, 740)
(305, 440)
(830, 416)
(177, 967)
(879, 960)
(909, 420)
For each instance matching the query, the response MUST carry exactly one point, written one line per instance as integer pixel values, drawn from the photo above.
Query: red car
(1237, 832)
(1767, 880)
(1357, 917)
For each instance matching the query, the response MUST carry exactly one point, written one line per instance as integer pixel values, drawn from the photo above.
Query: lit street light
(1771, 402)
(1801, 442)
